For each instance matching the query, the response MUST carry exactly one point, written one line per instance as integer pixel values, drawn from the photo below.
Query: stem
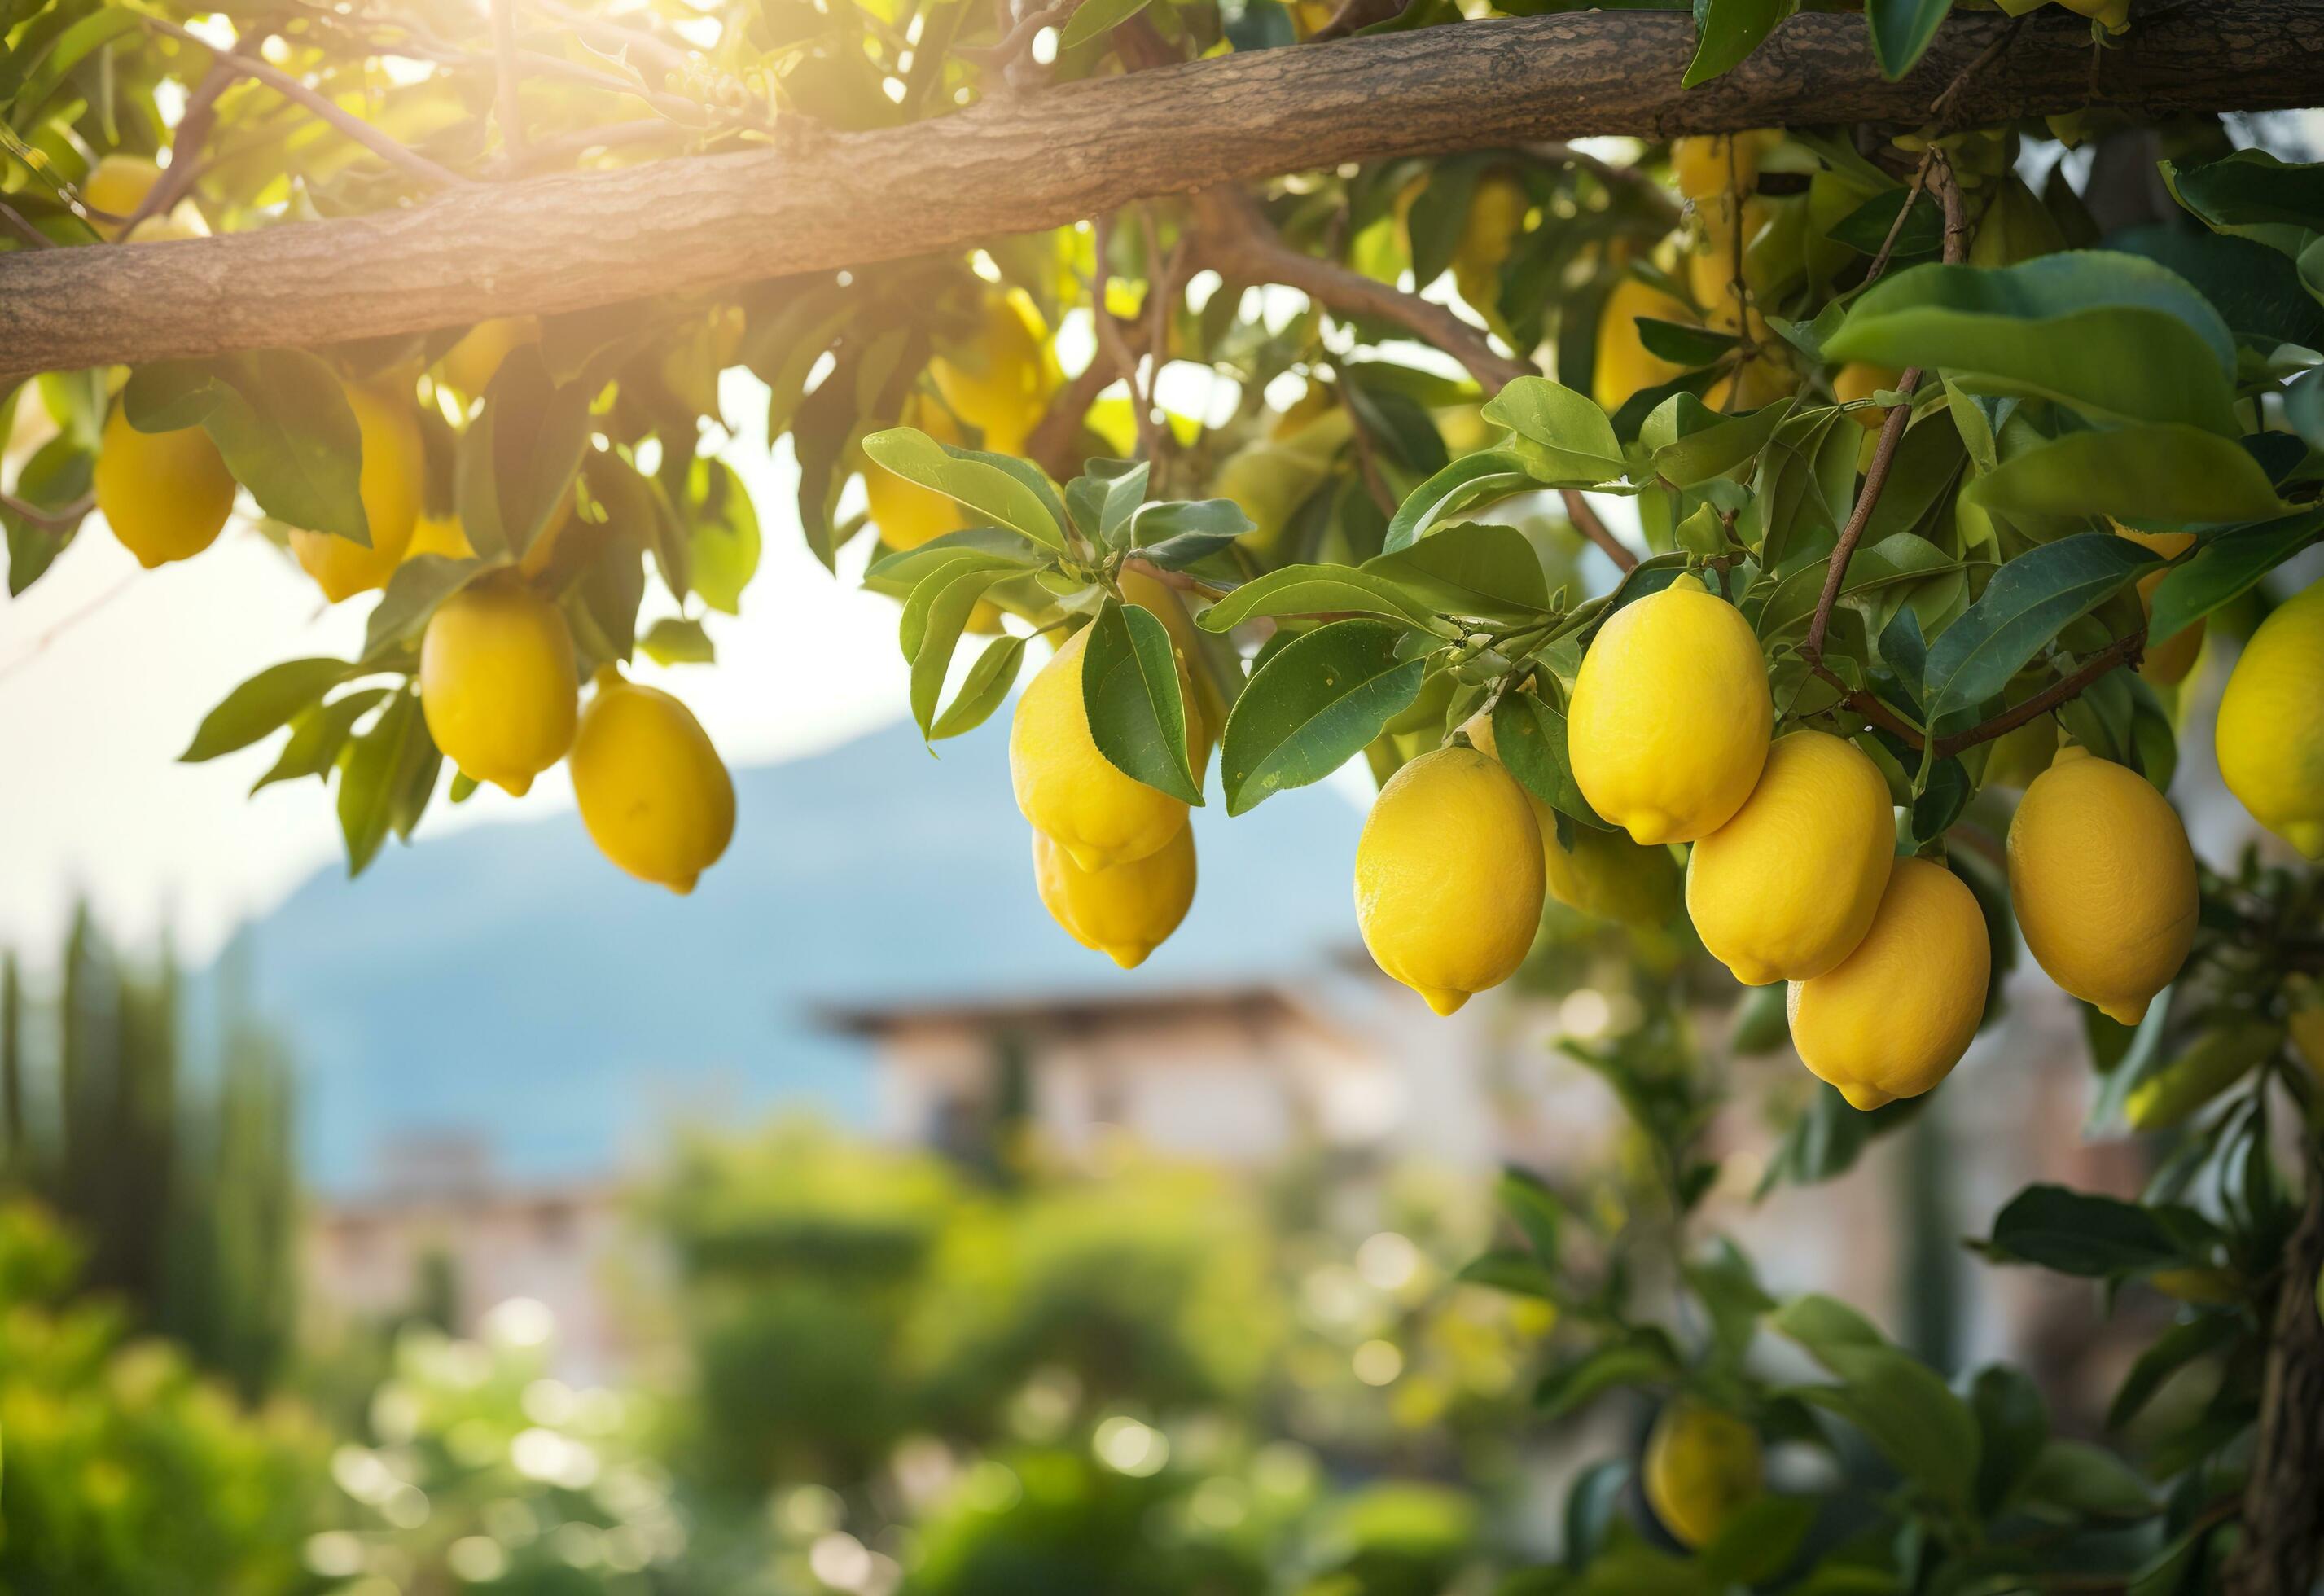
(506, 110)
(2278, 1554)
(1875, 478)
(49, 521)
(2123, 650)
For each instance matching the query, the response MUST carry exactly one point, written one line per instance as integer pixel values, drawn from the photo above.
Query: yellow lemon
(165, 495)
(439, 534)
(1624, 365)
(1066, 788)
(1603, 874)
(2169, 661)
(1123, 910)
(390, 486)
(1787, 889)
(1701, 1466)
(468, 366)
(651, 790)
(1668, 724)
(1448, 876)
(2271, 727)
(1860, 379)
(2103, 881)
(1715, 163)
(497, 681)
(1892, 1018)
(119, 184)
(2019, 756)
(1497, 214)
(1001, 385)
(908, 514)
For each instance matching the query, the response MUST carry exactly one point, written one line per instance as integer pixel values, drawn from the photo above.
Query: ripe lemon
(1787, 889)
(651, 790)
(908, 514)
(1860, 379)
(468, 366)
(1497, 214)
(1066, 788)
(497, 681)
(439, 534)
(165, 495)
(1713, 163)
(1001, 385)
(1449, 877)
(1603, 874)
(1668, 724)
(119, 184)
(1122, 910)
(1624, 365)
(1892, 1018)
(2017, 757)
(2103, 880)
(2271, 728)
(2169, 661)
(1701, 1466)
(392, 471)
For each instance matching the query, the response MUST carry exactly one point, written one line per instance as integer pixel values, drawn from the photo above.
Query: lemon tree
(1807, 536)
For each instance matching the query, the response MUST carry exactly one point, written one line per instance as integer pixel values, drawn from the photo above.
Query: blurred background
(499, 1220)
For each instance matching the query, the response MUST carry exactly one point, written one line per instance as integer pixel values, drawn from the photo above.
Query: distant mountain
(506, 981)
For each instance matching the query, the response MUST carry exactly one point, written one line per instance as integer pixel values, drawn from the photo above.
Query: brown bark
(576, 240)
(2284, 1502)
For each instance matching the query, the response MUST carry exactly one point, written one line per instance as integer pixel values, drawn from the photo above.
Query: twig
(387, 148)
(1585, 521)
(1557, 152)
(1947, 187)
(1368, 465)
(1053, 442)
(1354, 16)
(1896, 227)
(507, 110)
(605, 33)
(1117, 348)
(2124, 650)
(1942, 107)
(193, 130)
(51, 521)
(1875, 478)
(13, 220)
(1161, 297)
(1005, 50)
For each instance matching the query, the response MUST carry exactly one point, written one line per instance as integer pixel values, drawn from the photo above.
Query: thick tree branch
(2284, 1504)
(576, 240)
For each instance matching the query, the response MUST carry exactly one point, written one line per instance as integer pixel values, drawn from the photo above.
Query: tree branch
(2278, 1555)
(572, 241)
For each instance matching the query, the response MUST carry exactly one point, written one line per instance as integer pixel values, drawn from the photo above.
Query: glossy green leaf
(1312, 590)
(2224, 566)
(1529, 739)
(2085, 1481)
(517, 458)
(1130, 692)
(934, 619)
(2080, 1233)
(1900, 1404)
(2169, 1353)
(1901, 31)
(723, 541)
(263, 704)
(282, 424)
(1096, 17)
(1727, 31)
(318, 734)
(376, 767)
(2169, 473)
(2255, 195)
(979, 481)
(56, 475)
(1569, 442)
(2115, 335)
(676, 640)
(1471, 570)
(1714, 445)
(1901, 558)
(983, 689)
(1175, 533)
(1483, 478)
(1312, 707)
(418, 585)
(2024, 606)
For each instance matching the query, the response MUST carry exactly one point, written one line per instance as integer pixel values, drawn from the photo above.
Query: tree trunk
(2283, 1503)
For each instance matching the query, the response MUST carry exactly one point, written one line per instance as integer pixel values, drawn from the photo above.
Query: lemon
(2169, 661)
(1497, 214)
(468, 366)
(1001, 385)
(1701, 1466)
(118, 185)
(1787, 889)
(165, 495)
(497, 681)
(1603, 874)
(1713, 163)
(1667, 728)
(1093, 810)
(2103, 880)
(1624, 365)
(1448, 876)
(2271, 727)
(908, 514)
(651, 790)
(439, 534)
(389, 487)
(1122, 910)
(2016, 757)
(1860, 379)
(1892, 1018)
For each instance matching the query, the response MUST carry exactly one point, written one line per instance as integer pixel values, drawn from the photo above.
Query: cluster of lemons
(498, 681)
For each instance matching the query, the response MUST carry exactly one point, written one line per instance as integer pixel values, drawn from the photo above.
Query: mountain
(506, 982)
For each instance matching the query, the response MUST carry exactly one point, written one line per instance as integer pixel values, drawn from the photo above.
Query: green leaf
(2171, 1352)
(1712, 445)
(1536, 1210)
(1571, 441)
(378, 766)
(56, 475)
(1481, 478)
(263, 704)
(1471, 570)
(1901, 29)
(1175, 533)
(1829, 1136)
(1319, 589)
(419, 584)
(518, 458)
(2086, 1482)
(1578, 1380)
(2255, 195)
(1682, 342)
(897, 572)
(1759, 1539)
(1096, 17)
(1312, 706)
(2224, 567)
(1727, 31)
(1866, 227)
(2172, 474)
(317, 733)
(933, 618)
(1505, 1269)
(984, 690)
(2024, 606)
(1529, 739)
(1899, 1402)
(2080, 1233)
(1900, 557)
(1130, 692)
(982, 482)
(2115, 335)
(2013, 1421)
(723, 541)
(282, 424)
(676, 640)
